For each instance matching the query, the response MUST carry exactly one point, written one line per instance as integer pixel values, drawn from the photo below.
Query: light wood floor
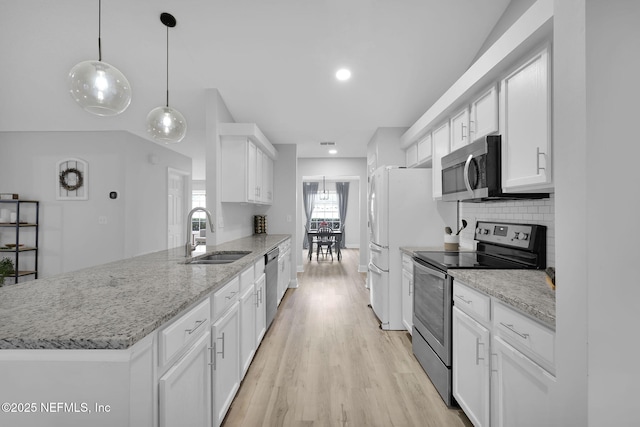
(325, 362)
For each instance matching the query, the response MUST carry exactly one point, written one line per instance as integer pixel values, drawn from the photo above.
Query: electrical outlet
(102, 220)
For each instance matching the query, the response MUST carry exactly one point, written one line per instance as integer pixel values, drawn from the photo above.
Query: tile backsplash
(522, 211)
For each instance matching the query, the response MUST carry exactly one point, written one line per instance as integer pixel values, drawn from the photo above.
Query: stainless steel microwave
(473, 173)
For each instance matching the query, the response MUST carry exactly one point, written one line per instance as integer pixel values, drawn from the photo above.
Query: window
(199, 219)
(326, 211)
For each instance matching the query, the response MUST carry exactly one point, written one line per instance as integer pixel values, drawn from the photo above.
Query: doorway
(177, 189)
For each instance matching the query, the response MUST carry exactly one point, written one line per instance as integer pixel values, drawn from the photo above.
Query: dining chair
(339, 238)
(310, 242)
(325, 239)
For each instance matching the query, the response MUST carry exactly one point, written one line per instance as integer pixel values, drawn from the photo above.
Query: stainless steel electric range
(500, 246)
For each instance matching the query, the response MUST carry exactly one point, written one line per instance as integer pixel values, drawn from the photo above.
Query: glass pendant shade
(99, 88)
(166, 124)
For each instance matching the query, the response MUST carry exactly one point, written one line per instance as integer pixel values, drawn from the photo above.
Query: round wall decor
(72, 179)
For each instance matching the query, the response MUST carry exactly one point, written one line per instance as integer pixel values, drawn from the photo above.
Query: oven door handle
(466, 174)
(420, 266)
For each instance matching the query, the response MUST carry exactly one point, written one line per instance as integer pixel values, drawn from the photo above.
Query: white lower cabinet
(225, 334)
(284, 269)
(471, 373)
(261, 309)
(185, 389)
(247, 329)
(407, 293)
(521, 389)
(494, 382)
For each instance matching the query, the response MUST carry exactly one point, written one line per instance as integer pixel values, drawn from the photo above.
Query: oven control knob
(525, 236)
(516, 236)
(478, 230)
(485, 231)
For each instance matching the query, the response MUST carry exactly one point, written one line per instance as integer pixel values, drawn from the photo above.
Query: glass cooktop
(445, 260)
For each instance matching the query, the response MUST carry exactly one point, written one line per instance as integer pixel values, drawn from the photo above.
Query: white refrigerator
(402, 212)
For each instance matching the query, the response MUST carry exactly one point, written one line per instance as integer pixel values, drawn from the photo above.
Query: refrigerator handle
(374, 269)
(375, 248)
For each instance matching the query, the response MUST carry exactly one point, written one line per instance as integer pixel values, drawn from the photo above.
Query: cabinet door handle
(472, 129)
(197, 325)
(213, 356)
(410, 287)
(462, 126)
(463, 300)
(221, 352)
(230, 295)
(494, 365)
(538, 154)
(257, 301)
(478, 358)
(512, 329)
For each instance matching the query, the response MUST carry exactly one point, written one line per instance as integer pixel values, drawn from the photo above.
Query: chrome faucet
(187, 247)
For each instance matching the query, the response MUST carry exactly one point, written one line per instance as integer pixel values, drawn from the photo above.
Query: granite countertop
(114, 305)
(525, 290)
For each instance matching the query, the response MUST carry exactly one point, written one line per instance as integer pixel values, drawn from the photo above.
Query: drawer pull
(463, 300)
(230, 295)
(512, 329)
(197, 325)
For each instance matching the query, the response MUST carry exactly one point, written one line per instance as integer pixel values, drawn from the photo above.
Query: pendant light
(324, 195)
(166, 124)
(98, 87)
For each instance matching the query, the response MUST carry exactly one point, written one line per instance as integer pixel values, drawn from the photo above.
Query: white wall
(70, 235)
(282, 215)
(336, 168)
(596, 91)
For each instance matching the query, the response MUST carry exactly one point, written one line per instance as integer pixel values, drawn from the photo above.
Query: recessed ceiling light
(333, 151)
(343, 74)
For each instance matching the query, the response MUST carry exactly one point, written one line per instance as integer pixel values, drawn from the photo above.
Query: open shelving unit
(19, 239)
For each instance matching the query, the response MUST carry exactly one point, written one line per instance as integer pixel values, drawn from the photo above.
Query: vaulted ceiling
(273, 62)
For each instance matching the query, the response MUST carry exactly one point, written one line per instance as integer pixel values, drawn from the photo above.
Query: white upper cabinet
(425, 150)
(460, 129)
(247, 164)
(412, 155)
(440, 149)
(267, 180)
(483, 119)
(526, 125)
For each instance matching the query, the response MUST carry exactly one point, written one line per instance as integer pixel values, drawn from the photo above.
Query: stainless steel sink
(226, 257)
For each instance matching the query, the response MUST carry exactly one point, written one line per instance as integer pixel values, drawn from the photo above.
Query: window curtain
(309, 194)
(342, 190)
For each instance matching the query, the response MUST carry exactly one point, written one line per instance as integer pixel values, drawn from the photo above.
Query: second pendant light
(166, 124)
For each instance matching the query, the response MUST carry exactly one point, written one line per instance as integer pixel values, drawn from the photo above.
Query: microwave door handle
(466, 174)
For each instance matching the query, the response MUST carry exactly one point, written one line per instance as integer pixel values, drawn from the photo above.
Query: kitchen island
(92, 346)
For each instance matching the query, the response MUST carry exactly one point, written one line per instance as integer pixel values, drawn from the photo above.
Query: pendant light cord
(99, 30)
(167, 66)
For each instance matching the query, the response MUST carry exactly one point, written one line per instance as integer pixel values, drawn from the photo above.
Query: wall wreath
(72, 179)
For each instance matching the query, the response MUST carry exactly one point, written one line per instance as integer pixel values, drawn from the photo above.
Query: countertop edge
(30, 337)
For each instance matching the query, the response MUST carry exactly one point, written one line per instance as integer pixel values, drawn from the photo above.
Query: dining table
(311, 234)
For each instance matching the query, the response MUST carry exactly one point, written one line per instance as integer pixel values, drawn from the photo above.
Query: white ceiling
(273, 62)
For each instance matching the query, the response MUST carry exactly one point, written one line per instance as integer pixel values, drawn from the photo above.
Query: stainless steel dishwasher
(271, 271)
